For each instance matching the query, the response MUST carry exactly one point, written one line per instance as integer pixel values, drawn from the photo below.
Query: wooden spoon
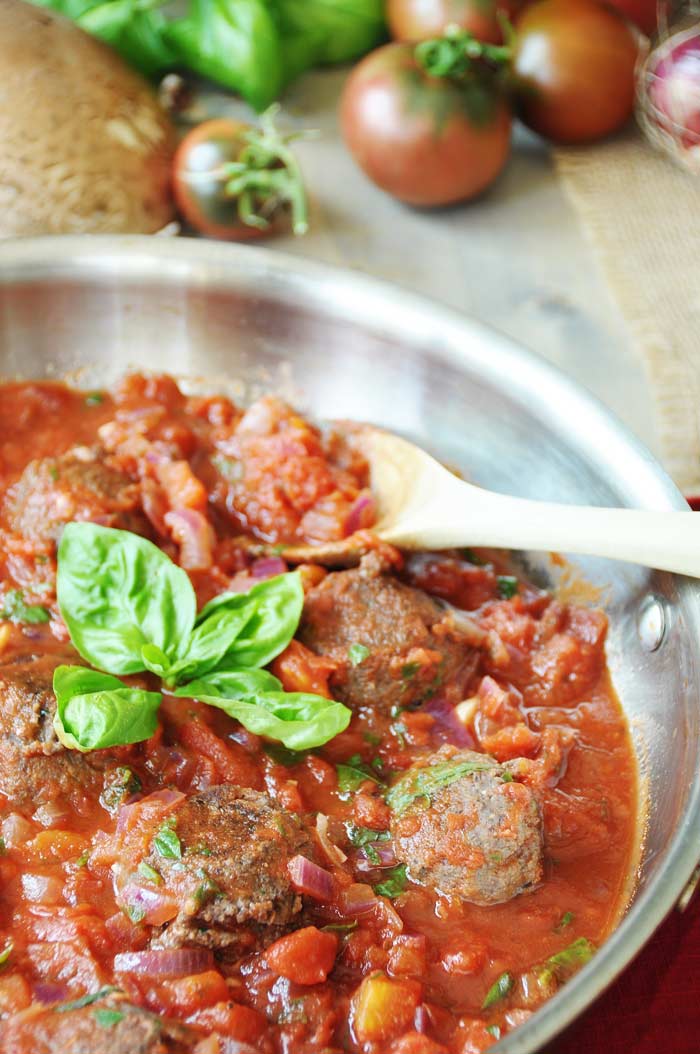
(421, 505)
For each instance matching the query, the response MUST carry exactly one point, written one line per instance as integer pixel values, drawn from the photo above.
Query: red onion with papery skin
(668, 92)
(310, 879)
(166, 962)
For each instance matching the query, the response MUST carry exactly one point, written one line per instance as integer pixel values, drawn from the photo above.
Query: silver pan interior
(342, 345)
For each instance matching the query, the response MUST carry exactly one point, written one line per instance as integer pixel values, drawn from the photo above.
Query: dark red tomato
(258, 201)
(574, 66)
(414, 20)
(197, 186)
(644, 13)
(423, 139)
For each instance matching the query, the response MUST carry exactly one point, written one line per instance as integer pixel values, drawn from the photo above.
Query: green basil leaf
(297, 720)
(15, 608)
(211, 639)
(117, 592)
(155, 660)
(95, 710)
(233, 42)
(338, 32)
(166, 842)
(231, 684)
(275, 607)
(138, 34)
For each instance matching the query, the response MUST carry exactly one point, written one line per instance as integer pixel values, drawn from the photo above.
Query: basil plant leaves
(130, 609)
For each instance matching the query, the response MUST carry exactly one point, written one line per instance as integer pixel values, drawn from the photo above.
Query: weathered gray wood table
(516, 258)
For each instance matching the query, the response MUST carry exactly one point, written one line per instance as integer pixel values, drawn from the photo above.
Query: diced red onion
(193, 533)
(51, 814)
(161, 802)
(334, 854)
(307, 877)
(358, 899)
(669, 93)
(166, 962)
(268, 567)
(153, 906)
(16, 830)
(383, 852)
(45, 992)
(41, 889)
(449, 728)
(362, 513)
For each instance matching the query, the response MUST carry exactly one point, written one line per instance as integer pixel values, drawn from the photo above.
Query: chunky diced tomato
(407, 956)
(231, 1020)
(382, 1008)
(15, 994)
(464, 955)
(306, 956)
(231, 761)
(301, 670)
(371, 811)
(190, 994)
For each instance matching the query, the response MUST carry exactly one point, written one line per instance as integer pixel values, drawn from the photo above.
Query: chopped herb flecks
(86, 1000)
(353, 774)
(15, 609)
(500, 989)
(108, 1018)
(393, 884)
(166, 843)
(357, 653)
(507, 586)
(424, 783)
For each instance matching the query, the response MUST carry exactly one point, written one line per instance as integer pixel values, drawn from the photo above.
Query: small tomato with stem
(427, 140)
(234, 181)
(574, 69)
(415, 20)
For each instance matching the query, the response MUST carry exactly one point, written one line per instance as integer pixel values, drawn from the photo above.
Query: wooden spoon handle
(669, 541)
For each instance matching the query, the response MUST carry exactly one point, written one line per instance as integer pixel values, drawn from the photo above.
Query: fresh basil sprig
(255, 698)
(129, 608)
(95, 710)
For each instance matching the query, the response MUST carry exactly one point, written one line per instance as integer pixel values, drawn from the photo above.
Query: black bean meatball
(52, 492)
(465, 828)
(34, 766)
(231, 882)
(411, 647)
(108, 1026)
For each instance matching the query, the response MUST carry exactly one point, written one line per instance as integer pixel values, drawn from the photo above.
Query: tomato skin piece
(574, 69)
(421, 138)
(415, 20)
(202, 204)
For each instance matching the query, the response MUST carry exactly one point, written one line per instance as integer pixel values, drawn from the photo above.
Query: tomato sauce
(381, 961)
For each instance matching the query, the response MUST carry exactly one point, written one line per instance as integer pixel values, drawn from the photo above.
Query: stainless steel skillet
(341, 345)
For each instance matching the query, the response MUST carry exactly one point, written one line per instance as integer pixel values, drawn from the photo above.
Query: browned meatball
(411, 646)
(34, 766)
(465, 828)
(108, 1026)
(52, 492)
(231, 880)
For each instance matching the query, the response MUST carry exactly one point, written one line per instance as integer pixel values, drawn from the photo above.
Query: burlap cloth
(642, 214)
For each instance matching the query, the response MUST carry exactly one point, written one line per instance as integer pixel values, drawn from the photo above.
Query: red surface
(654, 1007)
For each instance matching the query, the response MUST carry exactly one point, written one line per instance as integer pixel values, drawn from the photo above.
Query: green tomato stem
(458, 55)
